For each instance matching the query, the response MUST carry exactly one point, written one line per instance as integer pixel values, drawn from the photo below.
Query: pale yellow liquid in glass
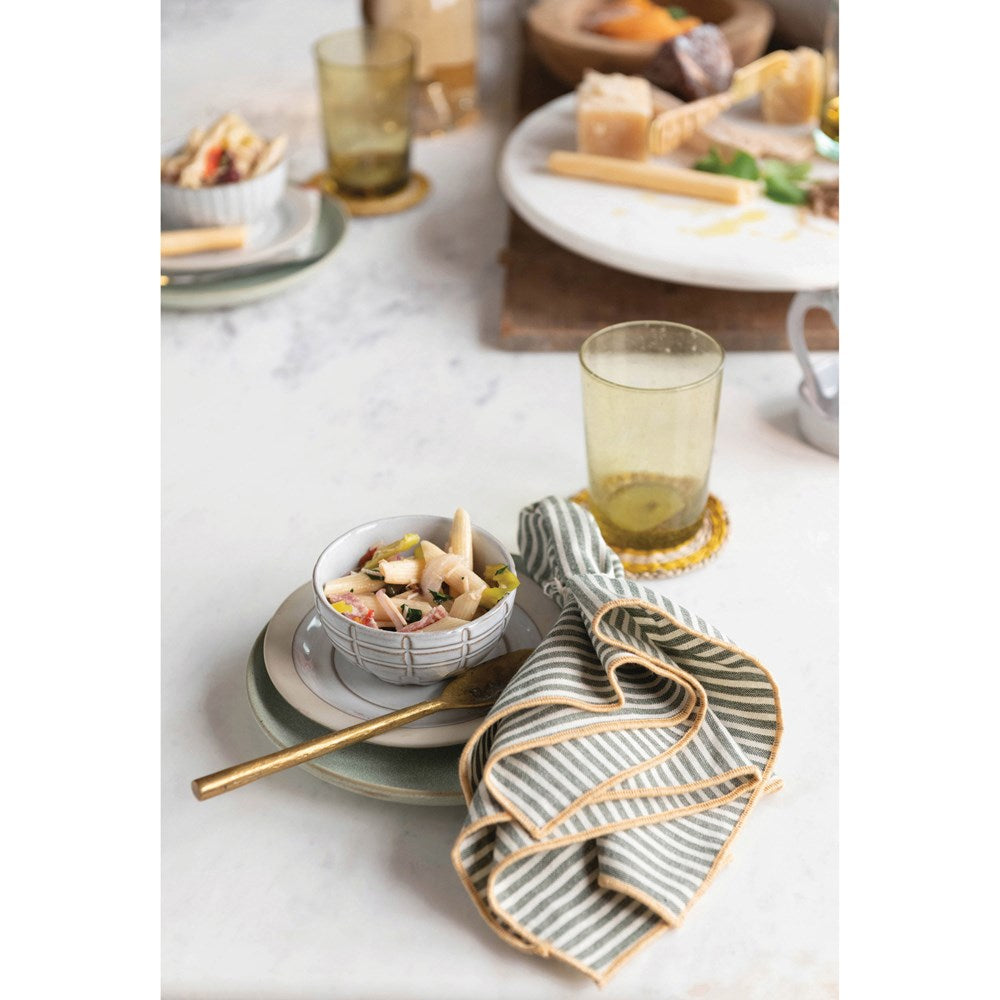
(646, 512)
(369, 170)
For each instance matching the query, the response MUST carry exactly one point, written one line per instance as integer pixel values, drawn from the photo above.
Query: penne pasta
(227, 151)
(193, 173)
(358, 583)
(400, 571)
(465, 605)
(390, 609)
(461, 536)
(270, 157)
(437, 569)
(462, 580)
(430, 550)
(413, 585)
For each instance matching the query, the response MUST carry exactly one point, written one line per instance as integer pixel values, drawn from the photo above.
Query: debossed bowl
(224, 204)
(410, 657)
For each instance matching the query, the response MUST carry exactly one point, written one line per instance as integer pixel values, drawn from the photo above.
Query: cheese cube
(613, 112)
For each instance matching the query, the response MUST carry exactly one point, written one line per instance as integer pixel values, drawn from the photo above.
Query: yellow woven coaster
(417, 188)
(698, 549)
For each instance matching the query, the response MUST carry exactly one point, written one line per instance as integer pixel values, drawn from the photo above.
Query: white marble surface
(278, 433)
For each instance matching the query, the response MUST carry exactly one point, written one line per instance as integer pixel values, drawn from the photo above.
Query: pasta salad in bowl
(224, 174)
(415, 599)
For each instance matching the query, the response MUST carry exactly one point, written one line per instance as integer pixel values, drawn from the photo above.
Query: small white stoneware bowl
(409, 657)
(224, 204)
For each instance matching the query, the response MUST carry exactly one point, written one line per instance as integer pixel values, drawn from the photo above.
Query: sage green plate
(421, 776)
(227, 292)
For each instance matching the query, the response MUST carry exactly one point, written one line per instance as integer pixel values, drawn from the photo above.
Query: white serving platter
(757, 246)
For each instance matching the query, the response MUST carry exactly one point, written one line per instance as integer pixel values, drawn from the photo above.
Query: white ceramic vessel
(758, 246)
(224, 204)
(819, 390)
(409, 657)
(241, 289)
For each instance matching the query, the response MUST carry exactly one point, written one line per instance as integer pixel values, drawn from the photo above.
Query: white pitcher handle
(827, 299)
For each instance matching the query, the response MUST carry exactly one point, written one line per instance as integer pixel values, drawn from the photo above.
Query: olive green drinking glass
(650, 403)
(365, 81)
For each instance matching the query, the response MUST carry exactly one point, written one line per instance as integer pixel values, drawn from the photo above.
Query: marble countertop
(278, 434)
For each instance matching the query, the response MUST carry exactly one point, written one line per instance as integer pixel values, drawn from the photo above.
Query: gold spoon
(476, 688)
(273, 269)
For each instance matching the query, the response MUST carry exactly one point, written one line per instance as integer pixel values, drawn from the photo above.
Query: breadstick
(180, 241)
(672, 180)
(750, 79)
(670, 129)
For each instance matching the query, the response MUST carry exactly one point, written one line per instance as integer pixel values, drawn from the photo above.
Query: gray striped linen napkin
(607, 782)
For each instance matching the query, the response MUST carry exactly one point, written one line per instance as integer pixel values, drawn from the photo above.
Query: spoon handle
(242, 774)
(276, 269)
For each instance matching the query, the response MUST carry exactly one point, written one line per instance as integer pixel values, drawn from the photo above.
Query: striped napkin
(608, 781)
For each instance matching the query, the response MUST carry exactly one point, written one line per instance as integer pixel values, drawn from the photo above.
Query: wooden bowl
(557, 37)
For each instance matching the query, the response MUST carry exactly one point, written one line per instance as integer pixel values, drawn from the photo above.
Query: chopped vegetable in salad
(411, 585)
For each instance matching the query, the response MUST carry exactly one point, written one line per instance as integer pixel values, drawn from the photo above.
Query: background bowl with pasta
(222, 175)
(420, 657)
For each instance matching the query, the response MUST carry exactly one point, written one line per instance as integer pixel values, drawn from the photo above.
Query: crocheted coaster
(417, 188)
(698, 549)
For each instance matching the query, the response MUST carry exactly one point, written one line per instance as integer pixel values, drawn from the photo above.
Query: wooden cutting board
(553, 299)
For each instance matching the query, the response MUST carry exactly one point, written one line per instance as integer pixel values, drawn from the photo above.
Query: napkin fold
(609, 779)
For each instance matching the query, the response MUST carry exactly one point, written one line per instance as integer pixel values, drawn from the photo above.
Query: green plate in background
(227, 292)
(397, 774)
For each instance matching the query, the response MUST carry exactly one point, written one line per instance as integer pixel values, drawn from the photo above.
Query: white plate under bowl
(329, 688)
(242, 289)
(289, 224)
(427, 776)
(757, 246)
